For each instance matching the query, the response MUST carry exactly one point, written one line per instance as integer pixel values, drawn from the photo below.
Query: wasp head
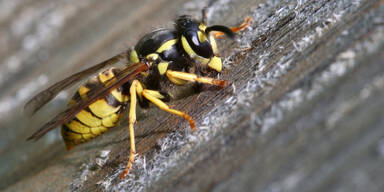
(198, 43)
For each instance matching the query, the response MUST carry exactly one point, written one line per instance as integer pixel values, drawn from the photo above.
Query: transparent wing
(48, 94)
(94, 94)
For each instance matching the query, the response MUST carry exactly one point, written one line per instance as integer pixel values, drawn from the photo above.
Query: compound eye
(200, 44)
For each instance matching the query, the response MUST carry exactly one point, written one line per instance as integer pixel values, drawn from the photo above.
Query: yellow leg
(194, 78)
(154, 97)
(135, 89)
(247, 20)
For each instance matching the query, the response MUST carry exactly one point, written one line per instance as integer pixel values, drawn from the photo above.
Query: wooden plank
(303, 112)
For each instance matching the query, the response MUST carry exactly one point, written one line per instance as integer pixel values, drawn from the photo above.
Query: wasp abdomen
(99, 116)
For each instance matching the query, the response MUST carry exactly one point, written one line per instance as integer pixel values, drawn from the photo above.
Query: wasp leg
(247, 20)
(135, 89)
(194, 78)
(155, 98)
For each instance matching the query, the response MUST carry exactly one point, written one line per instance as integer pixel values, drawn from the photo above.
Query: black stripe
(115, 71)
(92, 83)
(76, 97)
(120, 89)
(112, 101)
(65, 129)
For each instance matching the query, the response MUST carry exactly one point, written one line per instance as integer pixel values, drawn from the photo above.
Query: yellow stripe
(167, 45)
(106, 75)
(190, 51)
(202, 37)
(88, 119)
(213, 44)
(133, 57)
(152, 56)
(101, 108)
(186, 47)
(202, 27)
(83, 91)
(98, 130)
(162, 67)
(72, 136)
(119, 96)
(87, 136)
(78, 127)
(215, 64)
(111, 120)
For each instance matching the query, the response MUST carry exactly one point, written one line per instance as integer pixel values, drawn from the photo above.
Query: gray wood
(304, 111)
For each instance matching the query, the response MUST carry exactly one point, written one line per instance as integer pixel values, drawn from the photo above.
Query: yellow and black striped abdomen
(99, 116)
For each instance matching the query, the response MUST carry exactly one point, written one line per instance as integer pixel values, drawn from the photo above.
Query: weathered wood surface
(304, 112)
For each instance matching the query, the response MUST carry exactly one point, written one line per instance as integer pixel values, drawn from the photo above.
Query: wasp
(164, 56)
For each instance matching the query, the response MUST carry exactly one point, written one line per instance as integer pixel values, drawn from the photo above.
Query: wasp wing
(47, 95)
(93, 95)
